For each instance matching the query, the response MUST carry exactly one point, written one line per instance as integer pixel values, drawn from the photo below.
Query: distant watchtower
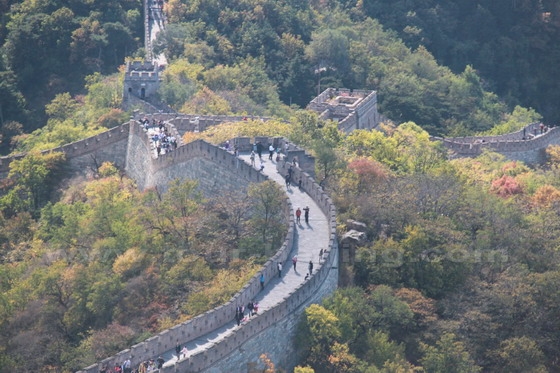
(353, 109)
(141, 80)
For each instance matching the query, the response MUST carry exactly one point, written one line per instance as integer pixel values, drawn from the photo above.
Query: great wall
(220, 347)
(527, 145)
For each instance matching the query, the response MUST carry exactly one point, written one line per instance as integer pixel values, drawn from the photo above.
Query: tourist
(306, 209)
(160, 362)
(252, 157)
(184, 352)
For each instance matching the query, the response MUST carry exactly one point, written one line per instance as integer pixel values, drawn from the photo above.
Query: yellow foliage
(553, 155)
(305, 369)
(546, 196)
(225, 284)
(129, 262)
(207, 101)
(251, 128)
(107, 169)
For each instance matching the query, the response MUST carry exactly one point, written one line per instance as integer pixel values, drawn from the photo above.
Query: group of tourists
(151, 365)
(252, 308)
(305, 215)
(160, 137)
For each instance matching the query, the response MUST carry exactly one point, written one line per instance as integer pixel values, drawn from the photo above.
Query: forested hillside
(459, 271)
(290, 49)
(512, 43)
(49, 47)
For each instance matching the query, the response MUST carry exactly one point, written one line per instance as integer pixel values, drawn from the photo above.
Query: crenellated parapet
(352, 109)
(86, 155)
(528, 144)
(217, 169)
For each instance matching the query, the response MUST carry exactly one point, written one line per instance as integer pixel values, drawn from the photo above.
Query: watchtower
(141, 80)
(353, 109)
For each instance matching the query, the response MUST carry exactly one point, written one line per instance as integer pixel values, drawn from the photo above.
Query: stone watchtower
(141, 80)
(353, 109)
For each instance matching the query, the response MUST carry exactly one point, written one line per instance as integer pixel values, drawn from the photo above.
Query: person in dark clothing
(238, 314)
(310, 267)
(306, 214)
(160, 362)
(250, 307)
(178, 350)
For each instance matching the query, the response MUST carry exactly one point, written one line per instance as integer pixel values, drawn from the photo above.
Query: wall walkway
(528, 144)
(215, 343)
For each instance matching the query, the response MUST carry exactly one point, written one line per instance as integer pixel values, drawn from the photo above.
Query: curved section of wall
(215, 169)
(273, 332)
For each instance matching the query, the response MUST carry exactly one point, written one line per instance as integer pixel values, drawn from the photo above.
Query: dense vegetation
(512, 43)
(104, 266)
(460, 270)
(283, 51)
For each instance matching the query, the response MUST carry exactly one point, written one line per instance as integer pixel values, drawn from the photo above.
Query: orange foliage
(368, 170)
(546, 196)
(506, 186)
(424, 308)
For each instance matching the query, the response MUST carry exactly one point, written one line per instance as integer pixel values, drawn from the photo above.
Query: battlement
(353, 109)
(212, 165)
(141, 79)
(528, 144)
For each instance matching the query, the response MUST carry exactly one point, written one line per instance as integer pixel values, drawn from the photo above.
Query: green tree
(318, 331)
(519, 355)
(33, 178)
(447, 356)
(268, 203)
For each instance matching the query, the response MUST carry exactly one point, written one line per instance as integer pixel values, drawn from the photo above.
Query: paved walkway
(157, 25)
(310, 239)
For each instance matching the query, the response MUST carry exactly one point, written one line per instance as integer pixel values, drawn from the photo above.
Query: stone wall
(365, 116)
(86, 155)
(129, 148)
(273, 331)
(217, 169)
(512, 146)
(362, 114)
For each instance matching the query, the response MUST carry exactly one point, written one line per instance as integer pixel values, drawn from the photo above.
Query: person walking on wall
(298, 215)
(270, 151)
(310, 267)
(184, 352)
(238, 315)
(262, 281)
(279, 270)
(160, 362)
(294, 261)
(306, 214)
(252, 158)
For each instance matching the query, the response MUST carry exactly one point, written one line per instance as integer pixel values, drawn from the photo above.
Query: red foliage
(368, 170)
(506, 186)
